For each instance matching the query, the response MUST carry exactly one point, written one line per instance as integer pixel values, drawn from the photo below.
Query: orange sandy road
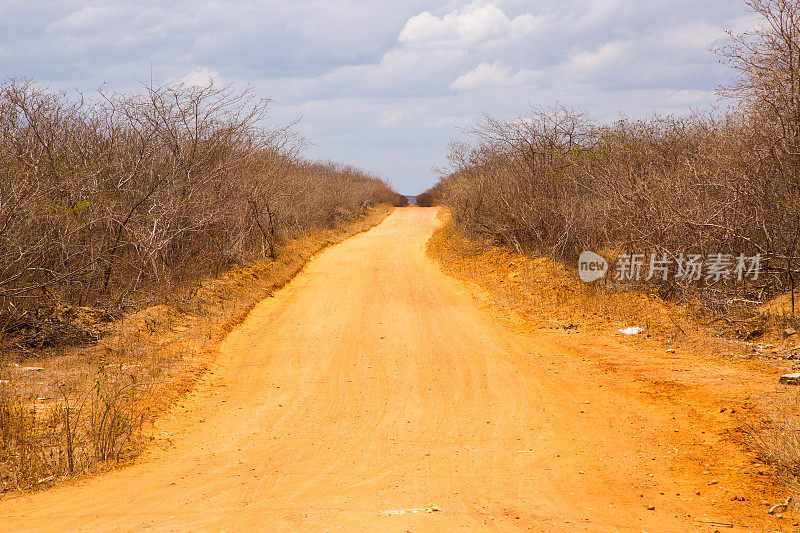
(371, 389)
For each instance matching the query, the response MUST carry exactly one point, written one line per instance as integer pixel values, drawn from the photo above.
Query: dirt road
(373, 393)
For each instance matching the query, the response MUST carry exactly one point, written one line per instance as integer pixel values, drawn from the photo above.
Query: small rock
(31, 369)
(790, 379)
(713, 482)
(670, 350)
(651, 507)
(788, 332)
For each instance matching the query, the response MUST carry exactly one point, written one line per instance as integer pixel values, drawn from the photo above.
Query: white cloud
(476, 23)
(688, 98)
(587, 65)
(693, 36)
(392, 117)
(199, 77)
(599, 12)
(494, 75)
(87, 19)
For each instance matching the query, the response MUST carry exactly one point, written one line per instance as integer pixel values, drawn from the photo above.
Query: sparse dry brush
(107, 198)
(776, 437)
(77, 434)
(110, 203)
(553, 183)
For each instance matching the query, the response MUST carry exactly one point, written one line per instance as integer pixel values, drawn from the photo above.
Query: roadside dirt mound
(548, 293)
(781, 307)
(54, 325)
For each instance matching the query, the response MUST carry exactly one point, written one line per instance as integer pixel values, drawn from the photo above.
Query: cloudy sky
(384, 84)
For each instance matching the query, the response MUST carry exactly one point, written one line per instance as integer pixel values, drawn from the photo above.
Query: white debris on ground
(429, 509)
(635, 330)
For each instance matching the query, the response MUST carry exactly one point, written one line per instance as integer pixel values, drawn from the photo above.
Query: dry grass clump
(44, 439)
(549, 293)
(776, 437)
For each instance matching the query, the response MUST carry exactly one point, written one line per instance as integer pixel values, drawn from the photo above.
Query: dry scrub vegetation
(553, 183)
(119, 216)
(108, 198)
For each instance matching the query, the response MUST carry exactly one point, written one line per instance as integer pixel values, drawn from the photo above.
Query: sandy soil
(374, 393)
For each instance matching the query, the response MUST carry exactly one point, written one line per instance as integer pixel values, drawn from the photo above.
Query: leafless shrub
(552, 183)
(110, 198)
(426, 199)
